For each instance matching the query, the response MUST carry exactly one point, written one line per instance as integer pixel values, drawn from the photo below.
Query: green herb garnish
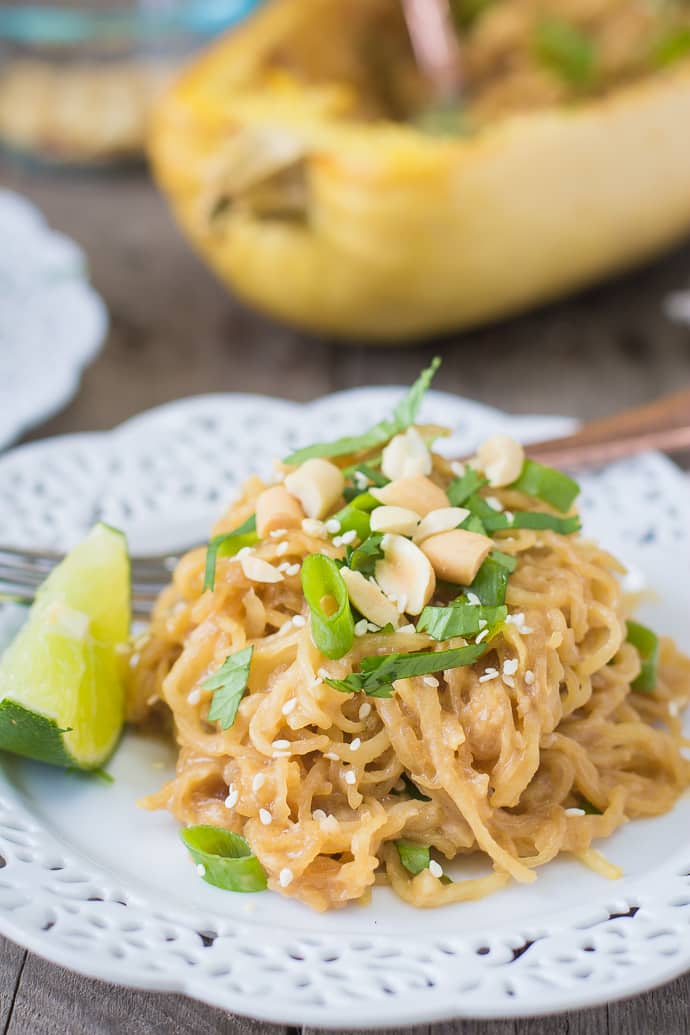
(567, 51)
(332, 624)
(646, 643)
(229, 684)
(354, 519)
(226, 858)
(500, 521)
(411, 789)
(227, 544)
(413, 856)
(378, 673)
(460, 489)
(673, 47)
(364, 557)
(460, 619)
(586, 805)
(404, 415)
(547, 484)
(491, 581)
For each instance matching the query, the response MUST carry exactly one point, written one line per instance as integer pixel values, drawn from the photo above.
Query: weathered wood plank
(53, 1001)
(666, 1011)
(12, 959)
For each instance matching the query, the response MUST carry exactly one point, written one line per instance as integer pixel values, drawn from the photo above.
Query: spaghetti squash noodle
(559, 722)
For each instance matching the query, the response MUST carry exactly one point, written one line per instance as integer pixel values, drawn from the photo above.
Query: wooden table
(174, 331)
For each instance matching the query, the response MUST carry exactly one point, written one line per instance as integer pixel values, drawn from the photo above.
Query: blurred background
(516, 196)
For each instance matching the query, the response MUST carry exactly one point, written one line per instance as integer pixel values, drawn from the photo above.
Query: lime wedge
(61, 679)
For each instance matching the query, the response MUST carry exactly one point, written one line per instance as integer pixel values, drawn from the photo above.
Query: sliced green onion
(226, 858)
(411, 789)
(460, 619)
(547, 484)
(567, 51)
(364, 557)
(378, 672)
(333, 633)
(352, 519)
(460, 489)
(646, 643)
(413, 856)
(374, 476)
(227, 544)
(491, 581)
(587, 806)
(473, 524)
(404, 415)
(366, 502)
(229, 684)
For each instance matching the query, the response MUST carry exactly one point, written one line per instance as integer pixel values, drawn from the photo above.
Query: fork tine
(29, 581)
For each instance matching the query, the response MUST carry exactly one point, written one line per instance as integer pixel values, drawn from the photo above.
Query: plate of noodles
(397, 749)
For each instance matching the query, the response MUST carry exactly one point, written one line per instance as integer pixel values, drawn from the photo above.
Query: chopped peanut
(405, 574)
(369, 599)
(456, 556)
(318, 485)
(258, 570)
(417, 493)
(501, 459)
(276, 508)
(442, 520)
(406, 455)
(394, 519)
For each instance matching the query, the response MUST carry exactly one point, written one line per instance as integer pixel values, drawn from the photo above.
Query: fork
(22, 571)
(663, 424)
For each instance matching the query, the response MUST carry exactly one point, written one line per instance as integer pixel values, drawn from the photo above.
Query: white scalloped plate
(94, 883)
(52, 322)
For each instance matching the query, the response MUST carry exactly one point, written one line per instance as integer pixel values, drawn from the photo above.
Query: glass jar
(77, 81)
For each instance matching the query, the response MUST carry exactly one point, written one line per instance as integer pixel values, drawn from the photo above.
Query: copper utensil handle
(663, 424)
(435, 45)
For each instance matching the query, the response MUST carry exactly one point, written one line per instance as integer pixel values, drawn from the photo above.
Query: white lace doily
(94, 883)
(52, 322)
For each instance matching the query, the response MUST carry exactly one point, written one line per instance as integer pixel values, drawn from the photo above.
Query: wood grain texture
(175, 331)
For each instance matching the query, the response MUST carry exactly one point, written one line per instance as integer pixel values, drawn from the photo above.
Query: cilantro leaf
(229, 684)
(404, 414)
(227, 544)
(378, 672)
(460, 619)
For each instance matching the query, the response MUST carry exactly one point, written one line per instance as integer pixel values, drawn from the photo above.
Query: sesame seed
(575, 812)
(282, 549)
(361, 627)
(349, 537)
(529, 677)
(489, 674)
(510, 516)
(258, 782)
(355, 744)
(337, 540)
(313, 527)
(332, 526)
(285, 877)
(194, 696)
(673, 709)
(278, 533)
(430, 680)
(509, 681)
(293, 569)
(283, 566)
(373, 628)
(330, 823)
(351, 777)
(200, 869)
(364, 710)
(435, 869)
(360, 479)
(281, 745)
(265, 817)
(323, 673)
(494, 503)
(299, 621)
(482, 636)
(319, 815)
(406, 630)
(232, 798)
(289, 706)
(472, 598)
(515, 619)
(331, 756)
(510, 667)
(482, 623)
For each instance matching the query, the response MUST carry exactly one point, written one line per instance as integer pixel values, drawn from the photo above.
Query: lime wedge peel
(61, 678)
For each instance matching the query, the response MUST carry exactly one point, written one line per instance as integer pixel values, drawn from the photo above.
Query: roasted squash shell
(281, 155)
